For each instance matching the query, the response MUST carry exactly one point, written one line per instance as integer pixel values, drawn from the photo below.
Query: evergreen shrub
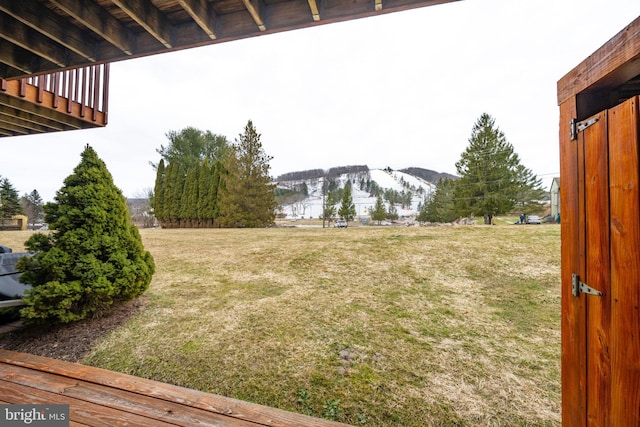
(92, 257)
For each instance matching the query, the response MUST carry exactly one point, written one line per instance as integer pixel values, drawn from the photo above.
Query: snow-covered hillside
(311, 205)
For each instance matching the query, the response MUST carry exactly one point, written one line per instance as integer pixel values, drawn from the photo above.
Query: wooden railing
(82, 92)
(87, 86)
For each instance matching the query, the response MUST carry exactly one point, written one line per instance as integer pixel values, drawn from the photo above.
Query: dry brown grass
(372, 326)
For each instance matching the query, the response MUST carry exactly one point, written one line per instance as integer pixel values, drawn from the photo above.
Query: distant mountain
(300, 193)
(320, 173)
(428, 174)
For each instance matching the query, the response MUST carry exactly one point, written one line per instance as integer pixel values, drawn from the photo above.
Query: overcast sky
(401, 89)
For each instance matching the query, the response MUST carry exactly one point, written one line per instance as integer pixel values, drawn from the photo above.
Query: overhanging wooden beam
(42, 112)
(28, 39)
(11, 125)
(32, 121)
(255, 10)
(148, 17)
(25, 120)
(12, 56)
(203, 14)
(38, 17)
(99, 21)
(315, 13)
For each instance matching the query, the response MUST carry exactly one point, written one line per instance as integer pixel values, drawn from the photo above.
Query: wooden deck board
(100, 397)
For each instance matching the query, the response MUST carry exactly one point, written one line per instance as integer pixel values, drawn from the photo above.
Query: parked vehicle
(340, 224)
(10, 286)
(533, 219)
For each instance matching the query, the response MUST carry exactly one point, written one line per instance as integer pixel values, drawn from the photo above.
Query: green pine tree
(9, 200)
(217, 171)
(204, 176)
(246, 198)
(441, 206)
(347, 210)
(33, 206)
(530, 195)
(379, 213)
(189, 200)
(392, 213)
(92, 258)
(158, 204)
(329, 210)
(173, 189)
(490, 180)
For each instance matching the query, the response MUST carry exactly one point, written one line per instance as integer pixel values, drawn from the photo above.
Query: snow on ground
(311, 207)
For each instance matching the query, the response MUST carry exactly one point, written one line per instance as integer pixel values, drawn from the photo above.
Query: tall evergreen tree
(32, 205)
(9, 200)
(441, 206)
(247, 196)
(158, 192)
(93, 256)
(392, 213)
(347, 210)
(329, 210)
(530, 195)
(215, 183)
(189, 201)
(173, 189)
(379, 213)
(202, 210)
(489, 179)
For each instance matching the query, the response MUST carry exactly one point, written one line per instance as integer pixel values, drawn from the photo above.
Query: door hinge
(578, 287)
(576, 126)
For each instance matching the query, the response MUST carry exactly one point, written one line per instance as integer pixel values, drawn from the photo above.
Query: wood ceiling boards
(43, 36)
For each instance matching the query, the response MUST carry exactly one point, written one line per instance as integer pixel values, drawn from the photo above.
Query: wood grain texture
(598, 311)
(573, 329)
(109, 31)
(616, 62)
(625, 262)
(104, 395)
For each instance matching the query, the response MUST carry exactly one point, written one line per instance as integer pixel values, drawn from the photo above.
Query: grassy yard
(408, 326)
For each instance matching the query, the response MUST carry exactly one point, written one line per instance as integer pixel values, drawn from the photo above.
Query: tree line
(204, 181)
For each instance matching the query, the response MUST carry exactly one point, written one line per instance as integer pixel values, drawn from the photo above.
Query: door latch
(578, 287)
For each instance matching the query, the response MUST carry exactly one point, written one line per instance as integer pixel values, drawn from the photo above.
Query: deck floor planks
(101, 397)
(83, 392)
(80, 411)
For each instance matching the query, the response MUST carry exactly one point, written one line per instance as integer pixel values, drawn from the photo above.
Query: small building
(16, 222)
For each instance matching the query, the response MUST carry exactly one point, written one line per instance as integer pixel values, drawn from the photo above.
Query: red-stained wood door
(602, 311)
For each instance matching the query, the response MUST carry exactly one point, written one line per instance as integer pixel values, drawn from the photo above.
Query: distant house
(555, 197)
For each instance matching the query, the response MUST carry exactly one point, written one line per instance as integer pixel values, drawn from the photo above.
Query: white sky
(401, 89)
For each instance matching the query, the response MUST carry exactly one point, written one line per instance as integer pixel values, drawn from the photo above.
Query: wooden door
(601, 309)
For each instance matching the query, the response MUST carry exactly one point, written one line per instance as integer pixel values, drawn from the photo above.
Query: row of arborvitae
(93, 256)
(187, 199)
(232, 189)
